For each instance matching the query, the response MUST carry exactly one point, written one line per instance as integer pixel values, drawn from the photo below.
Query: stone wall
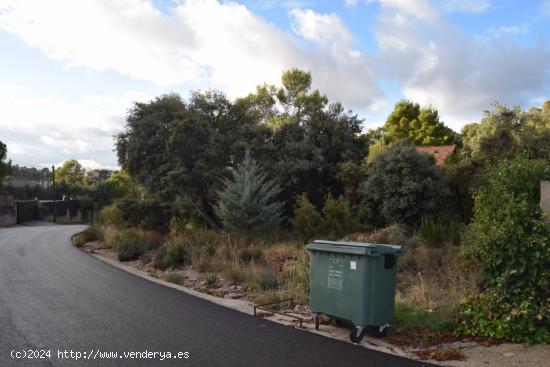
(8, 215)
(545, 198)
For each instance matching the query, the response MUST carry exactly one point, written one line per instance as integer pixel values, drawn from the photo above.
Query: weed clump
(177, 253)
(130, 244)
(174, 278)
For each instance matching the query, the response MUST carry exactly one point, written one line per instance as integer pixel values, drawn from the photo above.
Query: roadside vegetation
(225, 194)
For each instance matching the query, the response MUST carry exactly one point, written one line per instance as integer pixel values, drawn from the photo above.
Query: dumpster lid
(354, 248)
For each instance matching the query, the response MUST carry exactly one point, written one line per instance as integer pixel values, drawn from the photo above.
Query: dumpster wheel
(382, 331)
(357, 334)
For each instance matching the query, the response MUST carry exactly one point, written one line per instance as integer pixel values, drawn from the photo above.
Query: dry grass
(433, 277)
(110, 236)
(430, 282)
(442, 354)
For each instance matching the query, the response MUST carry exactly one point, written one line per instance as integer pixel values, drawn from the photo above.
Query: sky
(70, 70)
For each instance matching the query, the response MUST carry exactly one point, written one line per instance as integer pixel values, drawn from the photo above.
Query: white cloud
(226, 46)
(468, 6)
(545, 8)
(420, 9)
(508, 30)
(322, 29)
(428, 9)
(436, 63)
(287, 4)
(207, 43)
(88, 164)
(47, 129)
(127, 36)
(203, 42)
(335, 65)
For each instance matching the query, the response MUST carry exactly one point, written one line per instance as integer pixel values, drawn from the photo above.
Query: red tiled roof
(439, 152)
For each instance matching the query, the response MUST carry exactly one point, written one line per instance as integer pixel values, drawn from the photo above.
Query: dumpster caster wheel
(357, 334)
(316, 319)
(382, 331)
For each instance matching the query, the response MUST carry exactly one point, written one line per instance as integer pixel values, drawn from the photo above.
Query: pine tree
(247, 203)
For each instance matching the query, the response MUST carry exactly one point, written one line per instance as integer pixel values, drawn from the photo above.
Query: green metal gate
(27, 211)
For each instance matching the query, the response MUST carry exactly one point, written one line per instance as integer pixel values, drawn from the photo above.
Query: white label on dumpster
(335, 273)
(353, 265)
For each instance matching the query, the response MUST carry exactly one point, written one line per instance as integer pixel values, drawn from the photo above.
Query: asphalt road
(54, 297)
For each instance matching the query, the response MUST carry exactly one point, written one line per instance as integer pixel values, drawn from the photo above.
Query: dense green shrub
(363, 219)
(247, 202)
(337, 217)
(79, 241)
(307, 220)
(110, 215)
(149, 214)
(5, 166)
(403, 185)
(130, 245)
(510, 243)
(85, 203)
(89, 234)
(177, 253)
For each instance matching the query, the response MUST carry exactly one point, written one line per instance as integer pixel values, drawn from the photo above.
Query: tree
(307, 220)
(310, 137)
(4, 166)
(376, 148)
(510, 244)
(350, 176)
(115, 187)
(203, 142)
(420, 126)
(337, 216)
(70, 173)
(141, 147)
(504, 132)
(295, 94)
(247, 203)
(403, 185)
(179, 150)
(311, 148)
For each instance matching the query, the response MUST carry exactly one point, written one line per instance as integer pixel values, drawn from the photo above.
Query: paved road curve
(52, 296)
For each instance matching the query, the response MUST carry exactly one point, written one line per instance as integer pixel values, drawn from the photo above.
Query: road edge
(248, 308)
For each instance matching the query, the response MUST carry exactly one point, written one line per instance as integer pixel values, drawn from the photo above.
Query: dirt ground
(473, 354)
(504, 355)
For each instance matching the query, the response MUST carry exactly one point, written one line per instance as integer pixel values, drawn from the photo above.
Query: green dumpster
(354, 282)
